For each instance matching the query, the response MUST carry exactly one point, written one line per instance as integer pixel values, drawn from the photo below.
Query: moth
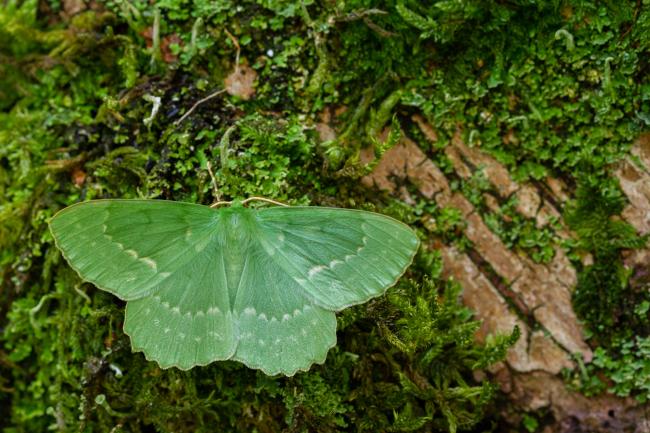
(259, 286)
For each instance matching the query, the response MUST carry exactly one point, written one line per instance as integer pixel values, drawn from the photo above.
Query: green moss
(610, 301)
(79, 133)
(563, 80)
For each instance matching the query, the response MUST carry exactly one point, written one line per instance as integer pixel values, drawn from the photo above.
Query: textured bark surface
(634, 176)
(506, 288)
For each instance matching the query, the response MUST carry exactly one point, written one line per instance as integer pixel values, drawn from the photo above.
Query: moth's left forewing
(130, 247)
(163, 258)
(340, 257)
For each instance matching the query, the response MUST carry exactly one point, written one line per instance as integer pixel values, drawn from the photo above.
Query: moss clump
(77, 132)
(563, 80)
(610, 298)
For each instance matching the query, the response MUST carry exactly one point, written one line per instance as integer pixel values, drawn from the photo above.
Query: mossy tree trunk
(504, 129)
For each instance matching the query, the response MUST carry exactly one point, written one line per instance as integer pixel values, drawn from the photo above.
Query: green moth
(259, 286)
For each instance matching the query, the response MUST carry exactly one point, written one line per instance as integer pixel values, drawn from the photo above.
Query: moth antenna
(220, 203)
(264, 199)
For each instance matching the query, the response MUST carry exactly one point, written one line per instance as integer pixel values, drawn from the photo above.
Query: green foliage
(621, 367)
(530, 423)
(262, 154)
(430, 333)
(367, 381)
(603, 297)
(548, 88)
(630, 372)
(523, 233)
(75, 129)
(615, 311)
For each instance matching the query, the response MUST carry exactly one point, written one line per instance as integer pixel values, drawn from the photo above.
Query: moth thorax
(236, 227)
